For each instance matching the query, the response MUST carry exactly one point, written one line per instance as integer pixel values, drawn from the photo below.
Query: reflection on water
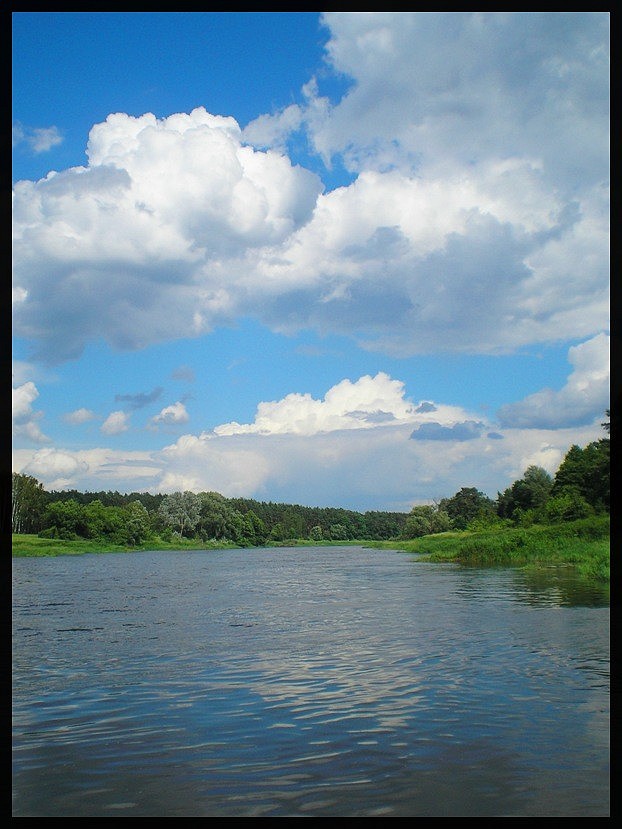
(305, 682)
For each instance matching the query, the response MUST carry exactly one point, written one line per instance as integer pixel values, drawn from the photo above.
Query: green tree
(419, 521)
(338, 532)
(425, 519)
(220, 520)
(181, 511)
(586, 472)
(27, 504)
(465, 505)
(529, 493)
(567, 506)
(101, 521)
(65, 519)
(259, 527)
(136, 523)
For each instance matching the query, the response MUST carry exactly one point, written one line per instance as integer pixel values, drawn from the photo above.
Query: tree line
(580, 488)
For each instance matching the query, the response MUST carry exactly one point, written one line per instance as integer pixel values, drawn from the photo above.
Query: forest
(579, 489)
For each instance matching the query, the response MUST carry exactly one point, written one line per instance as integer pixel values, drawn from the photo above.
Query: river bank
(583, 544)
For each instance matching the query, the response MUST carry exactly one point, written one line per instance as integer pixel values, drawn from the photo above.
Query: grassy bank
(32, 546)
(583, 544)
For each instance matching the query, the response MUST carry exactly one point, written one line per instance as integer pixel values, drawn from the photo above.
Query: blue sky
(343, 259)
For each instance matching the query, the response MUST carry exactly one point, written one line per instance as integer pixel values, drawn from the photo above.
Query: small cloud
(467, 430)
(170, 416)
(39, 139)
(140, 400)
(184, 373)
(495, 436)
(425, 407)
(115, 423)
(18, 295)
(79, 416)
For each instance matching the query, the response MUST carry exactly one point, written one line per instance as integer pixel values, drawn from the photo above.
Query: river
(306, 681)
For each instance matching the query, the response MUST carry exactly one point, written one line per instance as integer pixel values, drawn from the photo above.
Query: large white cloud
(451, 89)
(134, 248)
(478, 221)
(367, 403)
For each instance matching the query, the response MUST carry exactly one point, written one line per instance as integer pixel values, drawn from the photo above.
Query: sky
(352, 259)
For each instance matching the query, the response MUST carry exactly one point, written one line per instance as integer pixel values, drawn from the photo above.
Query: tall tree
(529, 493)
(27, 504)
(181, 511)
(465, 505)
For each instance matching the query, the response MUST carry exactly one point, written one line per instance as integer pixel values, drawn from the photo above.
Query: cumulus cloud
(115, 423)
(510, 85)
(584, 397)
(139, 246)
(481, 244)
(23, 415)
(170, 416)
(79, 416)
(364, 404)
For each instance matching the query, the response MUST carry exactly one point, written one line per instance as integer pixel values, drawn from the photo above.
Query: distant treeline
(580, 488)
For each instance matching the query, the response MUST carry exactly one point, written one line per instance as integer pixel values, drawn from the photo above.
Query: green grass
(32, 546)
(583, 544)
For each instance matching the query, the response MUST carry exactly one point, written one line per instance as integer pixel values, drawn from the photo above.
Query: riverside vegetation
(538, 521)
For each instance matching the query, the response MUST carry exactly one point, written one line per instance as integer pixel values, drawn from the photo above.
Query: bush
(568, 506)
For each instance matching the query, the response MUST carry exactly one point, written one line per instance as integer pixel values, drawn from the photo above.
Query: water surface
(328, 681)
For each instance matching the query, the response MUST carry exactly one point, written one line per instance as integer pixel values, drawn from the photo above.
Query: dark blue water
(306, 682)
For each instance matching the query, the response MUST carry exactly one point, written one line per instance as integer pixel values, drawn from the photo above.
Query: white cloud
(584, 397)
(88, 470)
(54, 467)
(453, 89)
(24, 417)
(478, 221)
(39, 139)
(115, 423)
(170, 415)
(273, 130)
(79, 416)
(139, 246)
(365, 404)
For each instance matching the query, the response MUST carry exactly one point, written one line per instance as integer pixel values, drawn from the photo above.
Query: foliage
(424, 520)
(529, 493)
(465, 505)
(27, 503)
(181, 511)
(567, 506)
(583, 544)
(586, 472)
